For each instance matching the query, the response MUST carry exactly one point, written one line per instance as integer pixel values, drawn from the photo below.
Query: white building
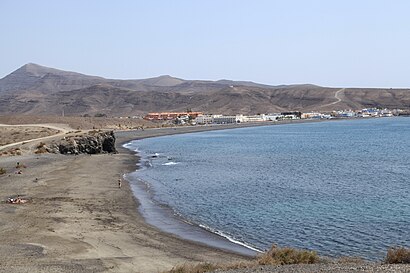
(204, 119)
(254, 118)
(220, 119)
(311, 115)
(386, 113)
(273, 117)
(344, 114)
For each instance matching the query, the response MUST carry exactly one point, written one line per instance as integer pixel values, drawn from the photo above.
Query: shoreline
(78, 220)
(167, 222)
(186, 130)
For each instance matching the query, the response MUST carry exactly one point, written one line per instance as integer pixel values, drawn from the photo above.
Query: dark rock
(91, 143)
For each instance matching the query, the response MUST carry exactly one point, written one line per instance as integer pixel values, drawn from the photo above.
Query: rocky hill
(34, 89)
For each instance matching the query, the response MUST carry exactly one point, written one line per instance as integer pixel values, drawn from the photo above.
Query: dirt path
(62, 131)
(337, 97)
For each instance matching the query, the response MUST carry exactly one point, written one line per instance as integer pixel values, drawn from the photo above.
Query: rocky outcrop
(94, 142)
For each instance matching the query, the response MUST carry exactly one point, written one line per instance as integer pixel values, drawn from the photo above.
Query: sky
(341, 43)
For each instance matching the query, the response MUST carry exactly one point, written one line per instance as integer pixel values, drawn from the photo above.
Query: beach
(77, 219)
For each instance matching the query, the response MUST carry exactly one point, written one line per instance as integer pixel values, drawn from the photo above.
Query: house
(171, 115)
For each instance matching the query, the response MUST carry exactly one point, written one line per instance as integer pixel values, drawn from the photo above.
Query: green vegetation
(2, 171)
(398, 255)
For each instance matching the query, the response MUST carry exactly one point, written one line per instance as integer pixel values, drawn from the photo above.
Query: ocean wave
(129, 146)
(229, 238)
(170, 163)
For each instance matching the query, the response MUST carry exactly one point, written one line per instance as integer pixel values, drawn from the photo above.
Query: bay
(340, 188)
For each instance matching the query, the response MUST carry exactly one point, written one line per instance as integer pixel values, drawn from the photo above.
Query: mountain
(35, 89)
(36, 78)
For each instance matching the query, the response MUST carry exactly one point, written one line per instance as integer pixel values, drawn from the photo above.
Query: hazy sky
(363, 43)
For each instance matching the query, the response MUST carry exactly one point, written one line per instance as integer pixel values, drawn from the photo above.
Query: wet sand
(78, 220)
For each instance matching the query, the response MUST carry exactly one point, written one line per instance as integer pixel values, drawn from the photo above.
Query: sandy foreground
(78, 220)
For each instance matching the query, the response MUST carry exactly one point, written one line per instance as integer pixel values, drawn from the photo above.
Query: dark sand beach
(78, 220)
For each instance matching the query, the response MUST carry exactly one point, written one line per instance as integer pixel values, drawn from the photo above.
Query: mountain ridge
(36, 89)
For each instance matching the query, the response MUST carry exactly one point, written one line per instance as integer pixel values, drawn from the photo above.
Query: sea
(341, 188)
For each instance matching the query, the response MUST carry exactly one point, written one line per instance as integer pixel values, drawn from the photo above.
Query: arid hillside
(38, 90)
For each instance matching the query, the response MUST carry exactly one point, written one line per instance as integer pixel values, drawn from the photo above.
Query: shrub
(40, 145)
(14, 151)
(398, 255)
(281, 256)
(41, 150)
(275, 256)
(2, 171)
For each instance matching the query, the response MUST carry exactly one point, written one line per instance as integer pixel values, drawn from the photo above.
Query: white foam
(129, 146)
(220, 233)
(170, 163)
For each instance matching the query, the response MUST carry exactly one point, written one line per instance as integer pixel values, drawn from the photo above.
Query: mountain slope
(33, 77)
(34, 89)
(40, 79)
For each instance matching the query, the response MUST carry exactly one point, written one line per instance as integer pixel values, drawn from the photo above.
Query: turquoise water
(340, 188)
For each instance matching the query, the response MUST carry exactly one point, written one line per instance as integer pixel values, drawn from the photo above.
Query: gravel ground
(334, 268)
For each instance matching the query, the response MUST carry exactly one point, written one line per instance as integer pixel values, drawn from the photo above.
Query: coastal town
(199, 118)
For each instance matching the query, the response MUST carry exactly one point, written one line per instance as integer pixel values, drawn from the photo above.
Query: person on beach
(119, 182)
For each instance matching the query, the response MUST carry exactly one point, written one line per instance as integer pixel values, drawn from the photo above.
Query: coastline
(124, 139)
(162, 218)
(78, 220)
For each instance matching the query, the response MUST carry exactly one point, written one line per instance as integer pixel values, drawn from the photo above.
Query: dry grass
(40, 145)
(284, 256)
(41, 148)
(80, 123)
(275, 256)
(11, 152)
(2, 171)
(17, 134)
(398, 255)
(281, 256)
